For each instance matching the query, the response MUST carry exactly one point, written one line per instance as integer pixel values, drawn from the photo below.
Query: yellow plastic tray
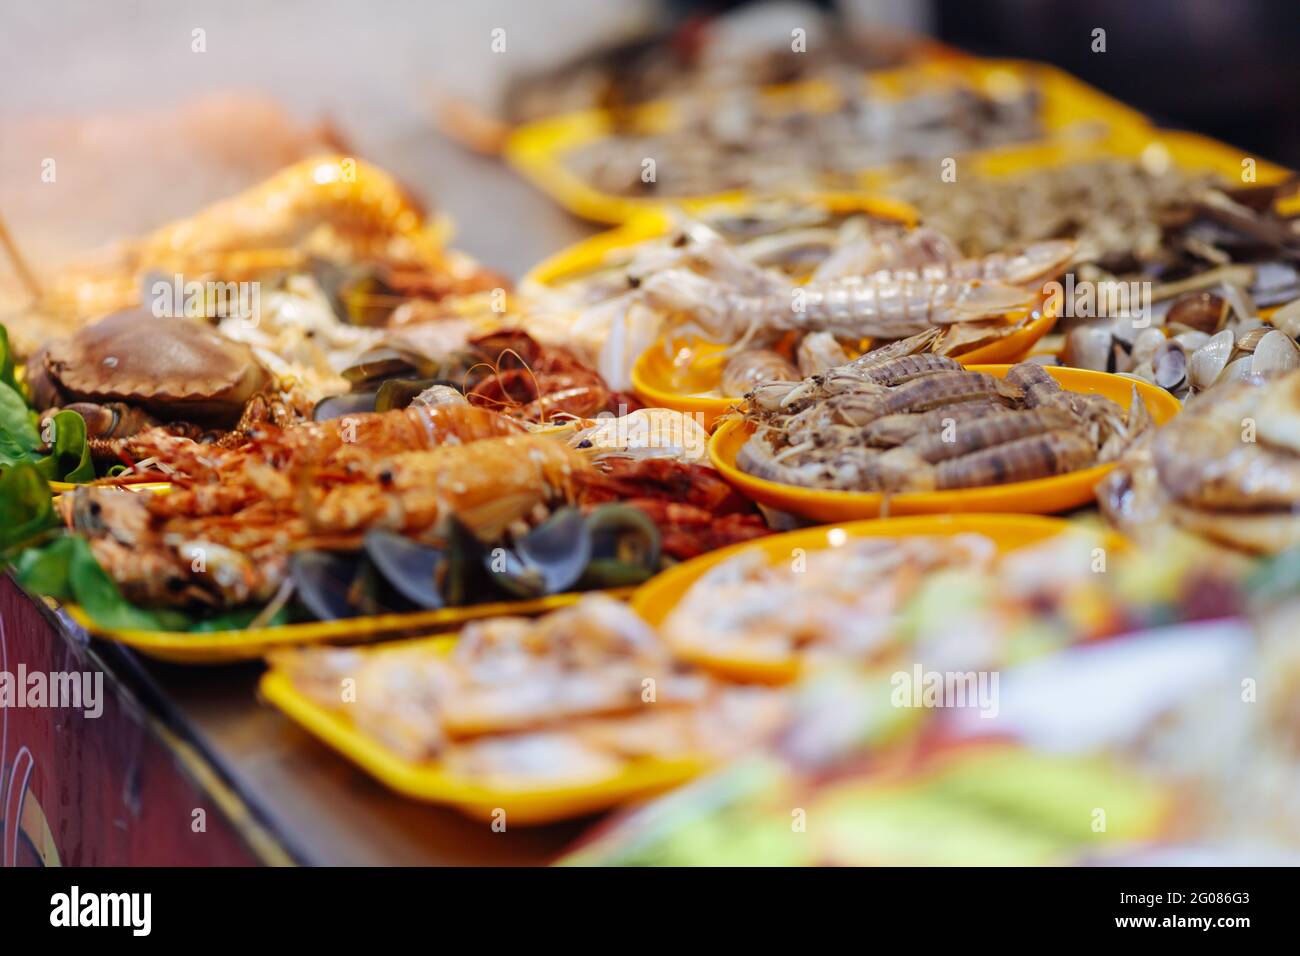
(1189, 152)
(223, 647)
(656, 599)
(428, 781)
(63, 487)
(598, 251)
(1040, 496)
(658, 382)
(538, 149)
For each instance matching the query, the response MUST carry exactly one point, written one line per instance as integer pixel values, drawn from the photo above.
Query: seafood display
(571, 699)
(343, 217)
(824, 142)
(695, 59)
(257, 510)
(836, 604)
(1226, 469)
(127, 372)
(429, 506)
(978, 740)
(810, 294)
(923, 423)
(506, 370)
(904, 417)
(1201, 339)
(1128, 216)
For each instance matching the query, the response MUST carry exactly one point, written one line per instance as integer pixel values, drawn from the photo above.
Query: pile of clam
(1201, 339)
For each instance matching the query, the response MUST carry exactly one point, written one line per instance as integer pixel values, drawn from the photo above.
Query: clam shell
(1125, 330)
(1275, 354)
(1249, 340)
(1170, 366)
(1238, 370)
(1208, 362)
(436, 395)
(1145, 345)
(1088, 346)
(1191, 341)
(1120, 360)
(1242, 326)
(1204, 311)
(1287, 318)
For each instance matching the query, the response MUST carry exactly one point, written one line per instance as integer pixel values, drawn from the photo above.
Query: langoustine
(250, 512)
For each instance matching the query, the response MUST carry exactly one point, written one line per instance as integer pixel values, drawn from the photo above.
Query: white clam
(1088, 346)
(1287, 318)
(1145, 345)
(1274, 354)
(1238, 370)
(1209, 361)
(1192, 340)
(1170, 365)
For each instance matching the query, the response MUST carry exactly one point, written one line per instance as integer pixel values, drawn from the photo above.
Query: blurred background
(204, 97)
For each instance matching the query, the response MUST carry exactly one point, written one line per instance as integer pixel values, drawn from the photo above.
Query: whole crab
(133, 370)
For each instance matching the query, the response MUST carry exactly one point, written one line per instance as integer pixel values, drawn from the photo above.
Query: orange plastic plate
(223, 647)
(430, 782)
(603, 249)
(1070, 110)
(675, 378)
(1040, 496)
(656, 599)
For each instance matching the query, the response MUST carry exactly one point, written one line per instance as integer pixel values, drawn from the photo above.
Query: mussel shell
(464, 578)
(337, 406)
(379, 365)
(625, 547)
(322, 581)
(548, 560)
(335, 586)
(410, 568)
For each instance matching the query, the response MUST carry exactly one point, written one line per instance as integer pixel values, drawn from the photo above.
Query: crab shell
(177, 369)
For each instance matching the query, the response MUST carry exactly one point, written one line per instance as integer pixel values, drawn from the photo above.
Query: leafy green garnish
(238, 620)
(68, 455)
(7, 362)
(45, 570)
(26, 507)
(19, 435)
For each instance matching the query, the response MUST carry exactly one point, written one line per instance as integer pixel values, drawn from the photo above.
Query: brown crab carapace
(134, 370)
